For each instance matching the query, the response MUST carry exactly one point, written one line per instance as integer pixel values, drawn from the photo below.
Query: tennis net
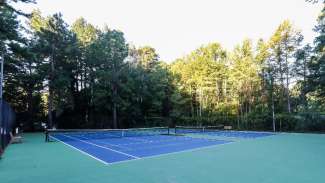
(105, 133)
(196, 129)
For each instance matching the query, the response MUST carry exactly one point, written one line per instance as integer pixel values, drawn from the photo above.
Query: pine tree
(317, 67)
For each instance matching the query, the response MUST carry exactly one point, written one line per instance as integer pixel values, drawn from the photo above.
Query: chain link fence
(7, 120)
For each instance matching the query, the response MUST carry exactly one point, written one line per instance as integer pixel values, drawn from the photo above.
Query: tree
(111, 50)
(202, 77)
(268, 75)
(84, 75)
(245, 78)
(147, 57)
(317, 67)
(7, 5)
(283, 45)
(303, 60)
(21, 77)
(153, 88)
(57, 45)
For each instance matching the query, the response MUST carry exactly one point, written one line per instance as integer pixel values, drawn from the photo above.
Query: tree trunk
(241, 111)
(238, 118)
(30, 107)
(114, 96)
(287, 83)
(273, 113)
(281, 70)
(304, 89)
(192, 107)
(30, 98)
(50, 98)
(201, 103)
(114, 115)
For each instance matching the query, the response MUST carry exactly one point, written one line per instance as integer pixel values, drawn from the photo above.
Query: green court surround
(282, 158)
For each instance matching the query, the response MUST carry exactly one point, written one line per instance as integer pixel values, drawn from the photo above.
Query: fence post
(2, 129)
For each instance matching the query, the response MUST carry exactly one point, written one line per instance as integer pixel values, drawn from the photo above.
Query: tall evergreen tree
(111, 50)
(57, 45)
(303, 60)
(317, 67)
(284, 43)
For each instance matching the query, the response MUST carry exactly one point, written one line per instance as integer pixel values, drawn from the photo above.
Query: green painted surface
(282, 158)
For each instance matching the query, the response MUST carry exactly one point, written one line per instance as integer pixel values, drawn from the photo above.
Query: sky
(176, 27)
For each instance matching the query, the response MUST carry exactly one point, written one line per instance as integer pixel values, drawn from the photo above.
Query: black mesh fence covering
(6, 124)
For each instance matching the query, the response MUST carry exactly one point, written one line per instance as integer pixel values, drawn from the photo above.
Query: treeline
(80, 76)
(272, 84)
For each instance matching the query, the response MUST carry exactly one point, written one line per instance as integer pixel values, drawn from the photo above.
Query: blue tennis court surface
(109, 149)
(112, 150)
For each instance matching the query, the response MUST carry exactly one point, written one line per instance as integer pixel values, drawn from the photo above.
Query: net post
(47, 139)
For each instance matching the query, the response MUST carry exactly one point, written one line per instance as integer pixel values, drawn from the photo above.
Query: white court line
(83, 152)
(129, 155)
(177, 152)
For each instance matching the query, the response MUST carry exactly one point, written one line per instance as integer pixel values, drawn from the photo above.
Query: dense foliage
(80, 76)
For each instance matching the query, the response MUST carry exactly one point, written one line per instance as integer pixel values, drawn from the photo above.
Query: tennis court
(201, 157)
(113, 146)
